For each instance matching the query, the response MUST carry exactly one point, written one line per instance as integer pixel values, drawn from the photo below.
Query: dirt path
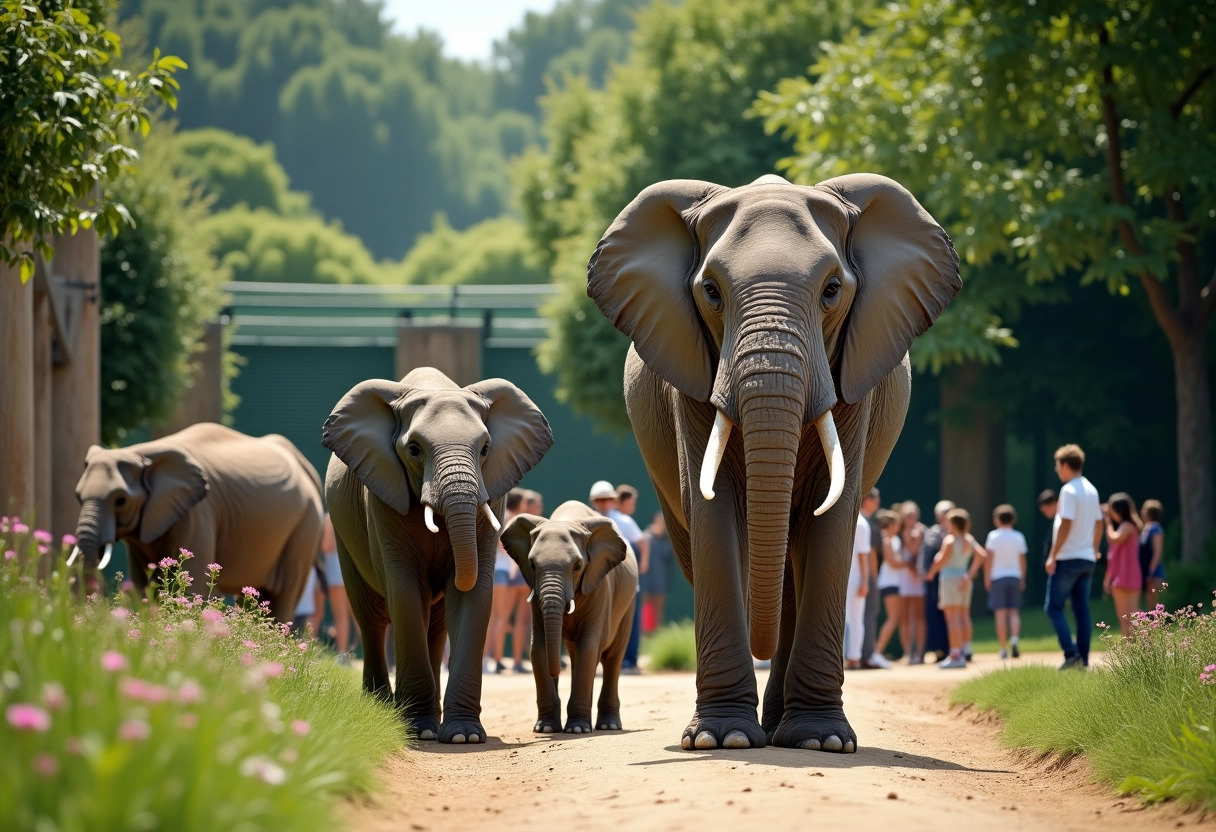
(920, 766)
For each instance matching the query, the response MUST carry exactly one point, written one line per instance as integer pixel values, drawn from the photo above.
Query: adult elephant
(785, 311)
(404, 455)
(250, 504)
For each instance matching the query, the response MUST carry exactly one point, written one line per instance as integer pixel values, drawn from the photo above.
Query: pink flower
(185, 553)
(252, 645)
(289, 755)
(264, 769)
(303, 645)
(212, 615)
(300, 727)
(127, 586)
(134, 730)
(9, 554)
(69, 540)
(144, 691)
(43, 536)
(113, 661)
(189, 691)
(188, 721)
(152, 566)
(165, 563)
(53, 696)
(120, 612)
(133, 633)
(46, 765)
(272, 670)
(20, 528)
(250, 592)
(25, 717)
(42, 550)
(247, 659)
(214, 567)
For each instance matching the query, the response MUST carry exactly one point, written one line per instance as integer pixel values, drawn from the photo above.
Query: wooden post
(44, 336)
(16, 393)
(450, 345)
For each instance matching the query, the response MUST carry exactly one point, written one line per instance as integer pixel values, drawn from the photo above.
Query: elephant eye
(414, 449)
(485, 449)
(712, 294)
(578, 565)
(120, 502)
(831, 291)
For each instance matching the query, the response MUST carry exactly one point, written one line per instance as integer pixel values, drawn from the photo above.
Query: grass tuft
(1145, 720)
(672, 647)
(169, 712)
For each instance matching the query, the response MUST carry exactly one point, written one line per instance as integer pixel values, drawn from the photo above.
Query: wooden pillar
(16, 393)
(972, 450)
(44, 336)
(76, 382)
(452, 346)
(203, 400)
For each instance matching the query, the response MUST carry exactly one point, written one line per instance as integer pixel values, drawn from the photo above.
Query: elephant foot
(423, 727)
(578, 725)
(816, 731)
(608, 722)
(705, 733)
(547, 726)
(462, 731)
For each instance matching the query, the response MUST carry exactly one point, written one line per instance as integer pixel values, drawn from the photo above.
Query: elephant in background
(251, 504)
(786, 312)
(405, 455)
(584, 580)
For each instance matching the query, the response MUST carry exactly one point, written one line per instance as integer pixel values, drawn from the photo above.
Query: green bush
(672, 647)
(169, 712)
(1145, 718)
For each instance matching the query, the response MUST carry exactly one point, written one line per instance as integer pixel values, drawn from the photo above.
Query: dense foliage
(236, 170)
(66, 108)
(494, 251)
(160, 283)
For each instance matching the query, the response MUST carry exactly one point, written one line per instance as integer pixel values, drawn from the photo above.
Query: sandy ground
(921, 765)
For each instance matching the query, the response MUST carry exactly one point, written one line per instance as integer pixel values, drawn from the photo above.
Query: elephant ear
(605, 551)
(516, 538)
(362, 432)
(907, 273)
(640, 278)
(175, 484)
(519, 435)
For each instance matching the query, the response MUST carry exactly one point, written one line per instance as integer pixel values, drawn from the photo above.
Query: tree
(160, 283)
(493, 251)
(65, 109)
(1053, 137)
(677, 108)
(235, 170)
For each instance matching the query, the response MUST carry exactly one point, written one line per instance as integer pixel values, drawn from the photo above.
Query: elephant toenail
(736, 739)
(474, 738)
(812, 744)
(686, 743)
(849, 748)
(459, 738)
(427, 734)
(706, 740)
(833, 743)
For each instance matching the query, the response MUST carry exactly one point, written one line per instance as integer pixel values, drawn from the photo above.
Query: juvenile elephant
(584, 581)
(252, 505)
(786, 311)
(404, 454)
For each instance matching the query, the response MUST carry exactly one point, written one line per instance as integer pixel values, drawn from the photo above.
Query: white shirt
(626, 526)
(1078, 503)
(861, 545)
(888, 575)
(1007, 547)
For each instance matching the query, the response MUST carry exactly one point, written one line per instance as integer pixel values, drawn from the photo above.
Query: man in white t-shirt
(622, 515)
(1005, 577)
(1074, 551)
(855, 596)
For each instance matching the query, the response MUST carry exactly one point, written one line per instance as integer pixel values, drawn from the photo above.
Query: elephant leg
(774, 691)
(608, 710)
(726, 680)
(371, 613)
(436, 634)
(548, 700)
(814, 713)
(290, 573)
(410, 611)
(468, 617)
(584, 656)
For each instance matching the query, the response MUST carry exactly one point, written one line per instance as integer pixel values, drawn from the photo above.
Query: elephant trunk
(94, 530)
(771, 414)
(459, 490)
(551, 590)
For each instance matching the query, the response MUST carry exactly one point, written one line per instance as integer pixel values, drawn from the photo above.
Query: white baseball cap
(603, 490)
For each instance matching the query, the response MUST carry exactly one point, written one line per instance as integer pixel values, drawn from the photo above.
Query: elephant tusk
(105, 558)
(715, 449)
(531, 595)
(428, 515)
(831, 449)
(570, 609)
(75, 554)
(493, 520)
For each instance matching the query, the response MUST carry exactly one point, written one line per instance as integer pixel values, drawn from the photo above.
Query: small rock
(969, 797)
(892, 796)
(747, 788)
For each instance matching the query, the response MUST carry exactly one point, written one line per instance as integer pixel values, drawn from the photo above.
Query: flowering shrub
(171, 711)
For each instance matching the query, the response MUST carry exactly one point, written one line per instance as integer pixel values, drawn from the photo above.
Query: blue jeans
(1071, 580)
(635, 635)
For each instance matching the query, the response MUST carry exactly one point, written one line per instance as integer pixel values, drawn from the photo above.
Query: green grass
(170, 713)
(671, 647)
(1146, 720)
(1037, 633)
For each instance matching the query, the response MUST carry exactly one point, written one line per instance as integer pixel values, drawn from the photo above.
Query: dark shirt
(930, 545)
(875, 545)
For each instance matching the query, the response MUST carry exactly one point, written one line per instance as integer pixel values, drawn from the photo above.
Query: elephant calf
(584, 581)
(250, 504)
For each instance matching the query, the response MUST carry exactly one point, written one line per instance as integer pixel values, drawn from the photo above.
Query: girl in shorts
(911, 583)
(954, 592)
(1124, 580)
(888, 579)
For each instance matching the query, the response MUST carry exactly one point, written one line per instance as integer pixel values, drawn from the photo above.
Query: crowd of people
(923, 577)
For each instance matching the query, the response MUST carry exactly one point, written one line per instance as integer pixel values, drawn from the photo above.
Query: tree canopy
(493, 251)
(235, 170)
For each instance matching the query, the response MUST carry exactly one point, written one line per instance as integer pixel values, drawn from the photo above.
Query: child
(1005, 577)
(1124, 580)
(1151, 539)
(888, 579)
(954, 591)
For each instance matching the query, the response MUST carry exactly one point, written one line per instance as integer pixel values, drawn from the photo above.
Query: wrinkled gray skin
(397, 448)
(769, 305)
(576, 556)
(250, 504)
